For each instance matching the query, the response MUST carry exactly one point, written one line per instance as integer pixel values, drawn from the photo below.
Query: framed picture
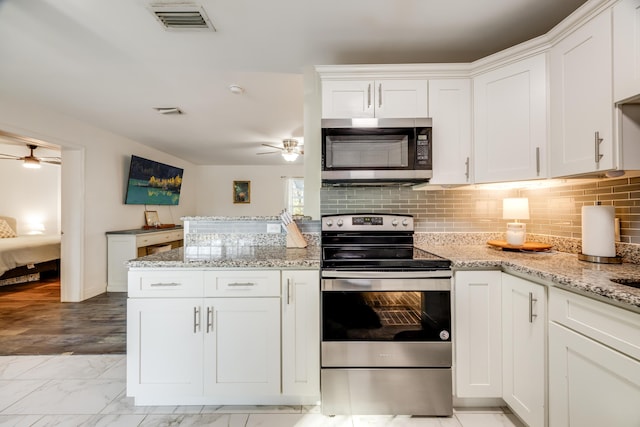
(241, 191)
(151, 218)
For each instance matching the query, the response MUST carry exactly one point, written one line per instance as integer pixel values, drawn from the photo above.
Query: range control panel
(367, 222)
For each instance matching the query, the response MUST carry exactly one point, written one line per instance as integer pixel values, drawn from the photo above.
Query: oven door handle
(419, 274)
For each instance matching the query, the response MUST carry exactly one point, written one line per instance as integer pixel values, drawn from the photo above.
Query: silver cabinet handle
(289, 290)
(466, 166)
(164, 285)
(531, 301)
(236, 284)
(369, 96)
(598, 141)
(209, 319)
(537, 161)
(380, 95)
(196, 319)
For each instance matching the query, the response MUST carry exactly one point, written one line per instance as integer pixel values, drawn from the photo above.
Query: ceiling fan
(289, 150)
(32, 161)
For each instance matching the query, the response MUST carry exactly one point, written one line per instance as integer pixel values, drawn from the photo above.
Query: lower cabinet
(594, 363)
(478, 334)
(249, 338)
(300, 333)
(523, 348)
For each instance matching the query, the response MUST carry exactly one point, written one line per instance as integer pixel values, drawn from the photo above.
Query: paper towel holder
(600, 259)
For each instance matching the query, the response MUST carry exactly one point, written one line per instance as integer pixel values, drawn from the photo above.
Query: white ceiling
(110, 63)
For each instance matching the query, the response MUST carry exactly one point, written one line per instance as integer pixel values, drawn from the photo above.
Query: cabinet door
(478, 333)
(347, 99)
(523, 348)
(120, 249)
(590, 385)
(450, 109)
(626, 49)
(300, 333)
(582, 100)
(401, 98)
(510, 122)
(242, 346)
(164, 347)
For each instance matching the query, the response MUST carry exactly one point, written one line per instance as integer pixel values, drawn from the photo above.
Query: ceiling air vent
(182, 17)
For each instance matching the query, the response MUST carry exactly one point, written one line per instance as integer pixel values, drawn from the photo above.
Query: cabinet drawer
(610, 325)
(158, 238)
(166, 283)
(242, 283)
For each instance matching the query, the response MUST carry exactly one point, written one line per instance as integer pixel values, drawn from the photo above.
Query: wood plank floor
(34, 321)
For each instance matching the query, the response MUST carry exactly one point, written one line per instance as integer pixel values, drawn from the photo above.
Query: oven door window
(386, 316)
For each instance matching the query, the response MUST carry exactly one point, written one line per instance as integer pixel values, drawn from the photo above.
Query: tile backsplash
(554, 211)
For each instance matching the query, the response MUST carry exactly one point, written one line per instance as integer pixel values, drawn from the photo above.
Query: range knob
(340, 223)
(329, 222)
(405, 222)
(394, 222)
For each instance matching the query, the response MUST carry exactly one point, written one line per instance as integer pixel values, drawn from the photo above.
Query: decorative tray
(528, 246)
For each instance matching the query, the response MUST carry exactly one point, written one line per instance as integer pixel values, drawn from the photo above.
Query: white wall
(215, 194)
(106, 158)
(30, 195)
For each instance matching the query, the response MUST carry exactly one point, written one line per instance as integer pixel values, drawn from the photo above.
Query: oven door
(369, 322)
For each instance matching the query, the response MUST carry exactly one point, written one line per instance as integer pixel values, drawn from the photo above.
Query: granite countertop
(235, 257)
(144, 231)
(560, 269)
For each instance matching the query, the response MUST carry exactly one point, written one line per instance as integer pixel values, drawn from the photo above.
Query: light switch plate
(273, 228)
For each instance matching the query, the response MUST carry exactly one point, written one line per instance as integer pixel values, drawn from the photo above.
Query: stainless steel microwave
(387, 151)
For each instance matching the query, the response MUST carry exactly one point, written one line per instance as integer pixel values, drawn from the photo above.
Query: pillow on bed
(6, 230)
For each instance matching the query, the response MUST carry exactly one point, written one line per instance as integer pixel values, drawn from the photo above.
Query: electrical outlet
(273, 228)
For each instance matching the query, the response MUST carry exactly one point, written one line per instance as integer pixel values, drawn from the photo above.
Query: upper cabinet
(344, 99)
(450, 108)
(510, 122)
(626, 49)
(582, 100)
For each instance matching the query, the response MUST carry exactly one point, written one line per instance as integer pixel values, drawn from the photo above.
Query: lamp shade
(515, 208)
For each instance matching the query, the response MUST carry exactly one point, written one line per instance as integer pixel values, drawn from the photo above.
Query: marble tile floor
(89, 390)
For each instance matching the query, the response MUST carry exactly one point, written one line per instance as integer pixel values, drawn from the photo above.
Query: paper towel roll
(598, 231)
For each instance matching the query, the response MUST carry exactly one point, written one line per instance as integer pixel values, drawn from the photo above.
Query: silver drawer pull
(165, 285)
(235, 284)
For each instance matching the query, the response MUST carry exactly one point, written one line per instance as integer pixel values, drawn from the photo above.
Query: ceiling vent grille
(182, 17)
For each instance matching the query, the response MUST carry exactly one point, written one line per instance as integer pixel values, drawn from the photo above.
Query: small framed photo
(151, 218)
(241, 191)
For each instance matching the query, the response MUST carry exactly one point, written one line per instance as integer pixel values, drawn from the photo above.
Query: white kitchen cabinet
(241, 347)
(204, 336)
(626, 49)
(300, 332)
(582, 100)
(478, 333)
(524, 337)
(450, 109)
(510, 122)
(594, 363)
(164, 347)
(374, 98)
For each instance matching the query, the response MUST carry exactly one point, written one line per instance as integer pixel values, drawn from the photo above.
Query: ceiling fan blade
(270, 152)
(10, 157)
(273, 146)
(52, 160)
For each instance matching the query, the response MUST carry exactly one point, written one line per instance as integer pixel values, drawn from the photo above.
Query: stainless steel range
(386, 319)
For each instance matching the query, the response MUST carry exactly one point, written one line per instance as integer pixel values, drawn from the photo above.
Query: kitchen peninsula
(230, 318)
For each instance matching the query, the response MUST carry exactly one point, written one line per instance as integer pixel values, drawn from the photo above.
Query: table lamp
(515, 209)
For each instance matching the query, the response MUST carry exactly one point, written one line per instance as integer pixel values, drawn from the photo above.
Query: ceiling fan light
(289, 157)
(31, 163)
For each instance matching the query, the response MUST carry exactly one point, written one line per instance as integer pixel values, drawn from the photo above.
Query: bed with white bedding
(26, 255)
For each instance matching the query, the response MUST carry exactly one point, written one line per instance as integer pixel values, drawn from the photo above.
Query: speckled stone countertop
(560, 269)
(236, 257)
